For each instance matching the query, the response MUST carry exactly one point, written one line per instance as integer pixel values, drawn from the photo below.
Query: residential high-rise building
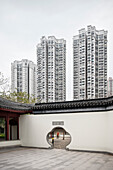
(23, 77)
(110, 86)
(90, 64)
(51, 70)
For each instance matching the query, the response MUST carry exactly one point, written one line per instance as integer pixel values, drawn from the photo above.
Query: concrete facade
(23, 77)
(90, 131)
(51, 70)
(90, 64)
(110, 86)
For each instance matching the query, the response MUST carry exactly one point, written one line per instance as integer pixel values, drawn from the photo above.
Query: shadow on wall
(58, 138)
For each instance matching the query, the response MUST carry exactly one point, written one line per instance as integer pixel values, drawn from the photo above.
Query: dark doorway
(12, 130)
(2, 129)
(13, 122)
(58, 138)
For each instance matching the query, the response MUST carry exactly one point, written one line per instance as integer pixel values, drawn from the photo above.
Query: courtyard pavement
(53, 159)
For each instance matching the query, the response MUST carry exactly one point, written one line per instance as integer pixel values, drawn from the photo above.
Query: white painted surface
(89, 131)
(10, 143)
(110, 131)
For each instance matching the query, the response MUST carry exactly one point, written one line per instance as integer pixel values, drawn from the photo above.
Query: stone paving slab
(53, 159)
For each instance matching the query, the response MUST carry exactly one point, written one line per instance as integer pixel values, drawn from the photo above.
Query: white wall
(110, 131)
(10, 143)
(89, 131)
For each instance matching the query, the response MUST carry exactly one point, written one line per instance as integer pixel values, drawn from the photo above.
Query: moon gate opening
(58, 138)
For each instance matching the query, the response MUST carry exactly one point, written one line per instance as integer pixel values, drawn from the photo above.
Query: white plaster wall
(10, 143)
(89, 131)
(110, 131)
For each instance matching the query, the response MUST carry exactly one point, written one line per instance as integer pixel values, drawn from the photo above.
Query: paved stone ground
(61, 144)
(53, 159)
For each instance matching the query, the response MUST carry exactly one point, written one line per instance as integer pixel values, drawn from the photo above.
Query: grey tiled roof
(101, 104)
(7, 104)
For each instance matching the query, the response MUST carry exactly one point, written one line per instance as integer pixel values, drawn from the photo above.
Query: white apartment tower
(23, 77)
(51, 71)
(90, 64)
(110, 86)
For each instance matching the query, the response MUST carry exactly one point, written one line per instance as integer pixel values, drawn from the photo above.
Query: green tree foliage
(3, 84)
(6, 93)
(2, 79)
(2, 122)
(21, 97)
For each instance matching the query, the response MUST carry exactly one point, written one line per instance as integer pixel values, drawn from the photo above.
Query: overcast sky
(24, 22)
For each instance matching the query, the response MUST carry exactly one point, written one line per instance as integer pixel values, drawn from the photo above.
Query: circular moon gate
(58, 138)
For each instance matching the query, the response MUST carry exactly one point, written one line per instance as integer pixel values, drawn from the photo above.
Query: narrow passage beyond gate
(58, 138)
